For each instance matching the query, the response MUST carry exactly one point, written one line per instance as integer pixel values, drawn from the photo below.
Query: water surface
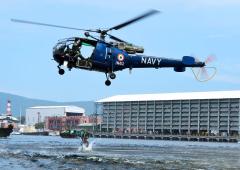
(53, 152)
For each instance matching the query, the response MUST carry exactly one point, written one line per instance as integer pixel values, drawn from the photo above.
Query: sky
(184, 27)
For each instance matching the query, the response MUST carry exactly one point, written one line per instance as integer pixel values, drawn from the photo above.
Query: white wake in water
(84, 148)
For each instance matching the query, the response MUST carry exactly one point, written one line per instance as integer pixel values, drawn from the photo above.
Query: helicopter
(115, 54)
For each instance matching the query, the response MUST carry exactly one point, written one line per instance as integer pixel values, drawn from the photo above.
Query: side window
(86, 50)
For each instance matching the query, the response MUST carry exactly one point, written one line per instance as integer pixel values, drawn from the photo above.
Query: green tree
(39, 125)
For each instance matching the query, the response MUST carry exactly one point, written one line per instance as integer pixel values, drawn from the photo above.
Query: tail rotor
(206, 73)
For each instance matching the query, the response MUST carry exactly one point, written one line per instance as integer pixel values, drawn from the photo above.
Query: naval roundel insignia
(120, 57)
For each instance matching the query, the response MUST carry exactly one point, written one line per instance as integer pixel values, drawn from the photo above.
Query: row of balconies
(223, 114)
(176, 114)
(142, 115)
(175, 119)
(224, 107)
(223, 128)
(228, 128)
(234, 120)
(170, 120)
(183, 117)
(212, 124)
(234, 114)
(183, 102)
(223, 119)
(234, 124)
(194, 111)
(230, 115)
(172, 126)
(213, 118)
(203, 124)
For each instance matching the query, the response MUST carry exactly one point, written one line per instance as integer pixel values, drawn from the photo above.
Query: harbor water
(20, 152)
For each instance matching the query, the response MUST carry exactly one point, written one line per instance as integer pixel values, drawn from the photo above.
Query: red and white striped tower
(9, 112)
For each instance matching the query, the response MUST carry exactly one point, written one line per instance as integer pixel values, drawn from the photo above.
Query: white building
(216, 112)
(39, 113)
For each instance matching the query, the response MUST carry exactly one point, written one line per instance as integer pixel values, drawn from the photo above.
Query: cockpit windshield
(75, 47)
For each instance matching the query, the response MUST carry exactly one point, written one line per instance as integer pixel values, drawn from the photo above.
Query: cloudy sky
(184, 27)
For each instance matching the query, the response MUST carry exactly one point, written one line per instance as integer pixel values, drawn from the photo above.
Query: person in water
(84, 137)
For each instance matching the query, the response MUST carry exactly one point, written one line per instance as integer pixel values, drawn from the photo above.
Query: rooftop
(73, 109)
(173, 96)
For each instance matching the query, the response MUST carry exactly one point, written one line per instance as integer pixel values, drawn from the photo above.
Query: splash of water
(84, 148)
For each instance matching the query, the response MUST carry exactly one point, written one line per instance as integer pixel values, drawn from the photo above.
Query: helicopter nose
(58, 58)
(58, 52)
(55, 55)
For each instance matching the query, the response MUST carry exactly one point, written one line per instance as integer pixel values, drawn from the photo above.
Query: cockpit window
(75, 47)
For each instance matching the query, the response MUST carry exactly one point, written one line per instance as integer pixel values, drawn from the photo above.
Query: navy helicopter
(109, 57)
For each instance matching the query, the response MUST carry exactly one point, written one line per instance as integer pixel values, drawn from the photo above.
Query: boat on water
(7, 122)
(6, 131)
(83, 134)
(7, 125)
(69, 134)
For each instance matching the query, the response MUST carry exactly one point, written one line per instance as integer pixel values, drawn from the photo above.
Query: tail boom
(141, 61)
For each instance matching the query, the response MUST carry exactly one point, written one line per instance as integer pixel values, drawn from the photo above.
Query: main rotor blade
(147, 14)
(116, 38)
(49, 25)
